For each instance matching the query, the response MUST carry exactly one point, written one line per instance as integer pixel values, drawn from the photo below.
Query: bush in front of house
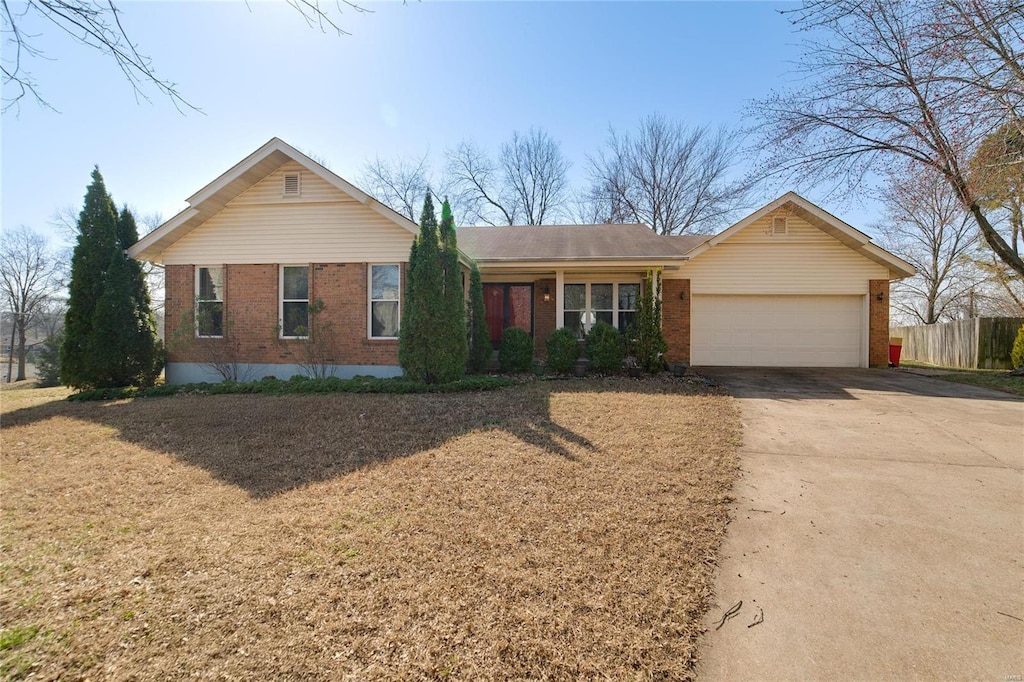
(479, 338)
(1017, 352)
(516, 351)
(563, 350)
(299, 385)
(605, 348)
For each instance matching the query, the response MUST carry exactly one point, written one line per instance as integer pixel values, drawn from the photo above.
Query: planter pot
(580, 368)
(635, 372)
(678, 369)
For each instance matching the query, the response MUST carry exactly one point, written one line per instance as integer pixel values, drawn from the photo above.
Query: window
(575, 308)
(628, 295)
(601, 303)
(584, 305)
(210, 302)
(292, 184)
(294, 301)
(385, 284)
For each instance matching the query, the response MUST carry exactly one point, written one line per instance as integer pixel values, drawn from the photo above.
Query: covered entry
(508, 305)
(778, 331)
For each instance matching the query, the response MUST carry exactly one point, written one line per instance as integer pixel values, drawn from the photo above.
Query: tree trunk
(995, 240)
(21, 351)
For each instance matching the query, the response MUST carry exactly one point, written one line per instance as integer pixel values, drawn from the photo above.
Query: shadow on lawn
(271, 444)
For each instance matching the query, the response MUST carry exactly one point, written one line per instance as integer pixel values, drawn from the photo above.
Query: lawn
(996, 379)
(554, 530)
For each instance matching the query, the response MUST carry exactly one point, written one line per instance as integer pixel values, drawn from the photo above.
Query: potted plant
(632, 366)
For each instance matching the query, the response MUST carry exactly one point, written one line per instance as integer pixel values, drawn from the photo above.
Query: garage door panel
(777, 331)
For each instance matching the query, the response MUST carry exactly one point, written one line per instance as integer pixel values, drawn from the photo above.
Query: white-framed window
(385, 286)
(210, 301)
(586, 303)
(294, 313)
(628, 295)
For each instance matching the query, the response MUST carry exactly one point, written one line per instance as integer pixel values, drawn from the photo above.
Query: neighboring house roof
(209, 201)
(824, 221)
(572, 242)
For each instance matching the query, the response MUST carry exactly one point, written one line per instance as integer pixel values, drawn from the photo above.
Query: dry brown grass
(553, 530)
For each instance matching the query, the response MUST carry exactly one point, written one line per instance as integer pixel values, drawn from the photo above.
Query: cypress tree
(416, 351)
(123, 346)
(451, 327)
(480, 350)
(94, 248)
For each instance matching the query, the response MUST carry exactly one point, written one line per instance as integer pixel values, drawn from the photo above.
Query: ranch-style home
(788, 286)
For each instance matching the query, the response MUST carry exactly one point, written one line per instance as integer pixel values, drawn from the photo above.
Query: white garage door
(777, 331)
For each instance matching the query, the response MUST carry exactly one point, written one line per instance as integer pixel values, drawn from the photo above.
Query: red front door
(508, 305)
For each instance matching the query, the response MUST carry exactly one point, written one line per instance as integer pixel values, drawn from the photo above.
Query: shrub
(480, 350)
(647, 344)
(299, 385)
(48, 360)
(1017, 353)
(563, 350)
(605, 349)
(516, 352)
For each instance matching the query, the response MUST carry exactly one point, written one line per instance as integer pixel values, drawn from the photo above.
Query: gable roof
(572, 242)
(824, 221)
(212, 198)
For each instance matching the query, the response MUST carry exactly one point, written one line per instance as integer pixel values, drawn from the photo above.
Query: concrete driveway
(879, 528)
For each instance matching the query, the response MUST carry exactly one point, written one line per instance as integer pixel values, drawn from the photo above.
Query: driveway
(879, 527)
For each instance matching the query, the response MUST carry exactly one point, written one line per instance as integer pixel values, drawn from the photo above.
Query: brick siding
(675, 318)
(251, 308)
(878, 323)
(543, 317)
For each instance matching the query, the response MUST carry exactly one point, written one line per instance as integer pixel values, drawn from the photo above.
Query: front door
(508, 305)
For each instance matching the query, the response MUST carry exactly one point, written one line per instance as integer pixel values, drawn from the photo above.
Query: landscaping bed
(553, 529)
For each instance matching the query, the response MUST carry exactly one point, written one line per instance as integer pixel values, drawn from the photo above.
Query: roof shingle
(572, 242)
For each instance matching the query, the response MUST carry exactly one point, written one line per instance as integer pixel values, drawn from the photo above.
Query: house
(789, 285)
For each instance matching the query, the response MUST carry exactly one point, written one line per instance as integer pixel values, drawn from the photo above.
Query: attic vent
(779, 225)
(292, 187)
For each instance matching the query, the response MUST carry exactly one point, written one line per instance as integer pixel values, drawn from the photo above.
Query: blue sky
(410, 78)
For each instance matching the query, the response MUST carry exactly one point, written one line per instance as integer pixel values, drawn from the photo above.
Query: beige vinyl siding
(322, 225)
(804, 261)
(270, 190)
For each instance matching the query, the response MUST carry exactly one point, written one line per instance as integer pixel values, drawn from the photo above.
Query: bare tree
(925, 225)
(399, 184)
(885, 82)
(29, 276)
(527, 185)
(97, 25)
(669, 176)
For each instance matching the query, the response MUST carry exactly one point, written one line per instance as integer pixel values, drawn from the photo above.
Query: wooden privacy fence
(977, 343)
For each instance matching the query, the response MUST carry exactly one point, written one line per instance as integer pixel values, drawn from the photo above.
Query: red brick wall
(878, 323)
(251, 307)
(544, 317)
(675, 318)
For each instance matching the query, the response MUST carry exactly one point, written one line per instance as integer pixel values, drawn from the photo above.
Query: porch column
(559, 298)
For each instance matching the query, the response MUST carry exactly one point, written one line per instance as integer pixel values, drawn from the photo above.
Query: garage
(778, 331)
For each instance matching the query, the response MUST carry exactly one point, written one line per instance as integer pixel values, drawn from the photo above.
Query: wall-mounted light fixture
(547, 294)
(880, 296)
(682, 294)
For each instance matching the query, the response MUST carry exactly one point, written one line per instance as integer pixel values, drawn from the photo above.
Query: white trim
(853, 239)
(196, 301)
(370, 301)
(590, 314)
(281, 300)
(136, 249)
(559, 298)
